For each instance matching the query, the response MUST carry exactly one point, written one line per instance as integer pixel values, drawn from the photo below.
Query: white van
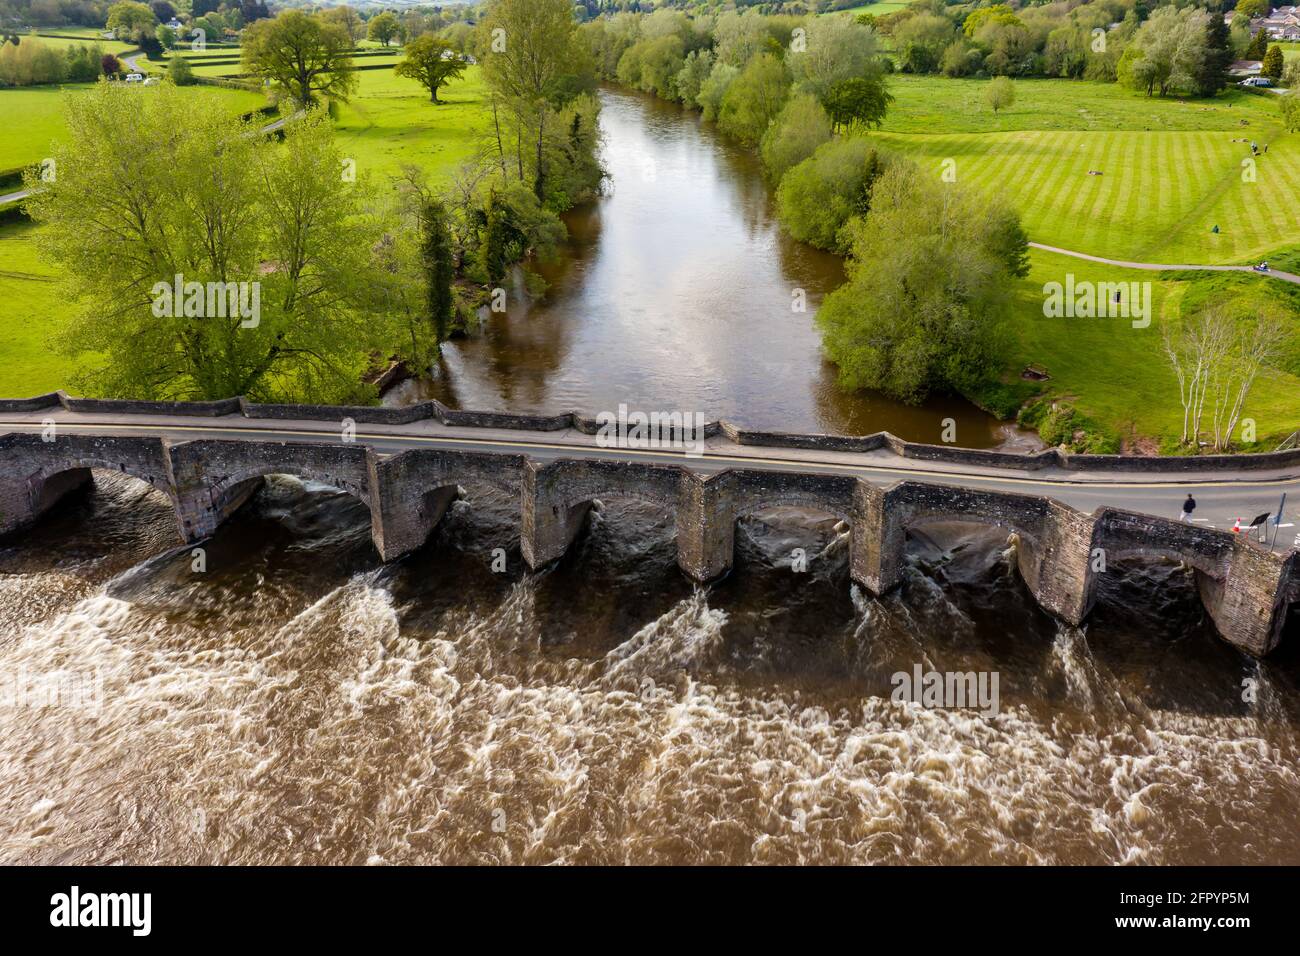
(135, 77)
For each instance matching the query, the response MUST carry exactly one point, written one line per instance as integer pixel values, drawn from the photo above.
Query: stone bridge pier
(413, 490)
(558, 496)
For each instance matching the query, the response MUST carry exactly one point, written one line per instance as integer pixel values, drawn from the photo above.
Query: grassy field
(1169, 170)
(30, 308)
(391, 122)
(32, 117)
(1114, 373)
(63, 42)
(875, 9)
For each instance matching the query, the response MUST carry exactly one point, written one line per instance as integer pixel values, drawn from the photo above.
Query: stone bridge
(1060, 551)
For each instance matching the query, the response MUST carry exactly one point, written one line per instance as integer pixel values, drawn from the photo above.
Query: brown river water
(297, 701)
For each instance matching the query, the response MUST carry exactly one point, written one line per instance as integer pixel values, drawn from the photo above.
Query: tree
(692, 76)
(348, 18)
(179, 71)
(929, 288)
(130, 21)
(921, 40)
(1212, 76)
(715, 89)
(383, 27)
(302, 55)
(755, 99)
(796, 134)
(1291, 110)
(1168, 51)
(998, 13)
(436, 260)
(1252, 9)
(819, 195)
(1273, 63)
(1000, 93)
(109, 65)
(835, 49)
(1258, 46)
(1216, 356)
(532, 60)
(859, 101)
(165, 35)
(163, 10)
(218, 205)
(431, 62)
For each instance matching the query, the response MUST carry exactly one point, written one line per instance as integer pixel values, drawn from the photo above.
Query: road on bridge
(1222, 497)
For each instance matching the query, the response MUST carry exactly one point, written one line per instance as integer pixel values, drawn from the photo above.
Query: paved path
(1155, 267)
(1222, 496)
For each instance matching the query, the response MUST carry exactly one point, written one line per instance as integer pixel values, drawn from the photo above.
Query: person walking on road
(1188, 507)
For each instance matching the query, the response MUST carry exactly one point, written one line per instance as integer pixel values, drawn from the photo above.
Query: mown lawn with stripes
(1164, 181)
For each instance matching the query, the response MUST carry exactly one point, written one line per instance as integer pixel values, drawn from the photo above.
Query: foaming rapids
(299, 702)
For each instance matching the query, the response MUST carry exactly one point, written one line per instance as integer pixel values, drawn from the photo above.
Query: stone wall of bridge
(1060, 552)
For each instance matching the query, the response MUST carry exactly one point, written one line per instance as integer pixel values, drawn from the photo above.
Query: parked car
(135, 77)
(1257, 81)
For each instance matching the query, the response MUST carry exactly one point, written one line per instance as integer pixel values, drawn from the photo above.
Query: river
(678, 291)
(293, 700)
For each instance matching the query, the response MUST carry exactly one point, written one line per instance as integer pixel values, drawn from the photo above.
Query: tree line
(930, 265)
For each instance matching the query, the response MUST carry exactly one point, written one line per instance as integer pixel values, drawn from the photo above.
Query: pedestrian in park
(1188, 507)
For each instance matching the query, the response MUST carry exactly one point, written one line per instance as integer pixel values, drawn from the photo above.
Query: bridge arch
(41, 472)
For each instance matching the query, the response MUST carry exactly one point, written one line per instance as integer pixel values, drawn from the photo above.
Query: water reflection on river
(678, 291)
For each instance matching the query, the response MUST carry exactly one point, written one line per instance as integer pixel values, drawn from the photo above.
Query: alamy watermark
(947, 689)
(635, 429)
(208, 300)
(72, 690)
(1100, 300)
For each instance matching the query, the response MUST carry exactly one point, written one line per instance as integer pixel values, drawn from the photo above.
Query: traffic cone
(1236, 528)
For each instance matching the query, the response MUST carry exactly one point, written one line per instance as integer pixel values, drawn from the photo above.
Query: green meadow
(1115, 374)
(1169, 171)
(32, 117)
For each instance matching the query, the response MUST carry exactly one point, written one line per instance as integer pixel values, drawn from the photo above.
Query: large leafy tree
(929, 288)
(431, 62)
(131, 21)
(835, 49)
(1168, 52)
(210, 201)
(384, 28)
(303, 55)
(533, 62)
(1212, 76)
(348, 18)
